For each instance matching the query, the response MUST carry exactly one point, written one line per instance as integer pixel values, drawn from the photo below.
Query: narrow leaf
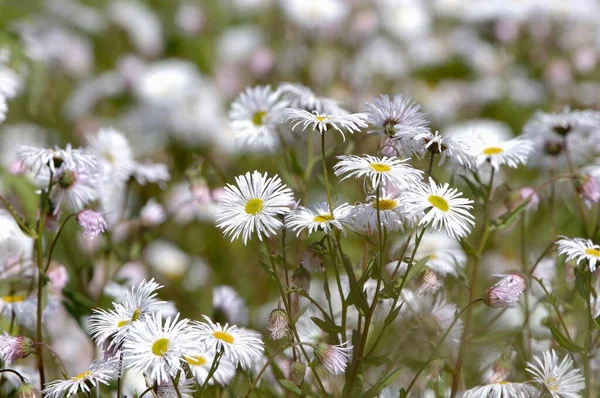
(563, 340)
(290, 386)
(508, 218)
(327, 327)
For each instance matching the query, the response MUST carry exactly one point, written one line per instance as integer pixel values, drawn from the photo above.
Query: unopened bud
(13, 348)
(297, 373)
(333, 357)
(434, 370)
(430, 283)
(506, 293)
(528, 193)
(278, 324)
(500, 371)
(301, 278)
(588, 189)
(312, 258)
(26, 390)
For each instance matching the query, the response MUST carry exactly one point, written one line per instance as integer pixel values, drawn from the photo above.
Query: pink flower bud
(506, 293)
(13, 348)
(278, 324)
(92, 223)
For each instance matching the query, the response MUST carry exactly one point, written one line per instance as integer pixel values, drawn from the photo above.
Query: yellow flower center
(593, 252)
(13, 299)
(492, 150)
(439, 202)
(254, 206)
(380, 167)
(136, 315)
(502, 382)
(195, 360)
(81, 375)
(258, 118)
(387, 204)
(160, 347)
(323, 218)
(321, 118)
(109, 157)
(122, 323)
(226, 337)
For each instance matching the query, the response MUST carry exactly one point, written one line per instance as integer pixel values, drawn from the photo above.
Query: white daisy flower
(23, 307)
(457, 149)
(37, 159)
(108, 328)
(254, 117)
(99, 372)
(151, 173)
(253, 205)
(502, 389)
(561, 380)
(315, 15)
(445, 206)
(200, 363)
(229, 305)
(391, 213)
(156, 349)
(333, 357)
(509, 152)
(445, 254)
(301, 97)
(323, 122)
(142, 299)
(317, 217)
(580, 249)
(378, 170)
(241, 346)
(114, 153)
(3, 108)
(398, 118)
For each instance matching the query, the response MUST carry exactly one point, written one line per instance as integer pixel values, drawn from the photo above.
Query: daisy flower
(561, 380)
(509, 152)
(23, 308)
(241, 346)
(398, 118)
(92, 223)
(114, 154)
(38, 158)
(323, 122)
(229, 305)
(109, 327)
(253, 205)
(455, 148)
(301, 97)
(317, 217)
(200, 362)
(255, 115)
(580, 249)
(3, 108)
(391, 213)
(155, 173)
(98, 372)
(445, 208)
(378, 170)
(156, 349)
(141, 299)
(502, 389)
(334, 358)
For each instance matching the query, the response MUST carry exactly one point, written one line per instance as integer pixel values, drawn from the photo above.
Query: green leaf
(415, 270)
(267, 269)
(381, 384)
(393, 314)
(327, 327)
(290, 386)
(581, 282)
(21, 222)
(508, 218)
(474, 188)
(466, 246)
(563, 340)
(403, 394)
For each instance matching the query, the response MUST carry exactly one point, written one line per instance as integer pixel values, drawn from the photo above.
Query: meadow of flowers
(312, 198)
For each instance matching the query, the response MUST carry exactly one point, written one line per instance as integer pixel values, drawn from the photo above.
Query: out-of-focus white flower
(229, 304)
(166, 258)
(10, 82)
(145, 173)
(114, 153)
(15, 247)
(189, 18)
(98, 372)
(92, 223)
(200, 362)
(141, 24)
(448, 210)
(511, 152)
(254, 206)
(502, 389)
(301, 97)
(588, 189)
(315, 15)
(379, 170)
(317, 217)
(580, 249)
(166, 83)
(153, 213)
(560, 379)
(238, 43)
(323, 122)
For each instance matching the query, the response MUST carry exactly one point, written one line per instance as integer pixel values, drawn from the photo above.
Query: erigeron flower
(142, 299)
(399, 118)
(502, 389)
(278, 324)
(312, 257)
(443, 208)
(254, 115)
(253, 206)
(229, 306)
(323, 122)
(241, 346)
(378, 170)
(561, 380)
(506, 293)
(333, 357)
(13, 348)
(391, 213)
(22, 307)
(457, 149)
(317, 217)
(579, 249)
(37, 159)
(157, 349)
(200, 362)
(153, 213)
(108, 328)
(3, 108)
(509, 152)
(26, 390)
(315, 15)
(114, 154)
(151, 173)
(430, 283)
(301, 97)
(98, 372)
(92, 223)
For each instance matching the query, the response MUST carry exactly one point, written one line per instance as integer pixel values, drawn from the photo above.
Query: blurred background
(164, 73)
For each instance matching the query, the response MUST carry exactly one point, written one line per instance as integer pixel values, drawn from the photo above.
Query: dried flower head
(278, 324)
(506, 293)
(333, 357)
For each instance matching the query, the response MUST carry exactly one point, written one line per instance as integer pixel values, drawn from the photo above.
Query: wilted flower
(312, 257)
(430, 283)
(301, 278)
(333, 357)
(506, 293)
(92, 223)
(278, 324)
(297, 373)
(434, 370)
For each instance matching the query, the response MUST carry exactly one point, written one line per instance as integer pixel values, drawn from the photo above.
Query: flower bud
(430, 283)
(312, 258)
(506, 293)
(588, 189)
(278, 324)
(26, 390)
(301, 278)
(333, 357)
(434, 370)
(13, 348)
(92, 223)
(528, 193)
(152, 214)
(297, 373)
(499, 372)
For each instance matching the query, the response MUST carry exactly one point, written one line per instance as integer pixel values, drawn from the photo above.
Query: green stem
(175, 384)
(430, 168)
(589, 340)
(23, 380)
(55, 240)
(325, 175)
(339, 286)
(264, 369)
(213, 368)
(146, 391)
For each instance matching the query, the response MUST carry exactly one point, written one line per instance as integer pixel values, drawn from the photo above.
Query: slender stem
(287, 279)
(430, 168)
(325, 175)
(264, 369)
(589, 342)
(339, 286)
(553, 303)
(23, 380)
(473, 287)
(175, 384)
(315, 303)
(146, 391)
(119, 379)
(58, 358)
(55, 240)
(439, 344)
